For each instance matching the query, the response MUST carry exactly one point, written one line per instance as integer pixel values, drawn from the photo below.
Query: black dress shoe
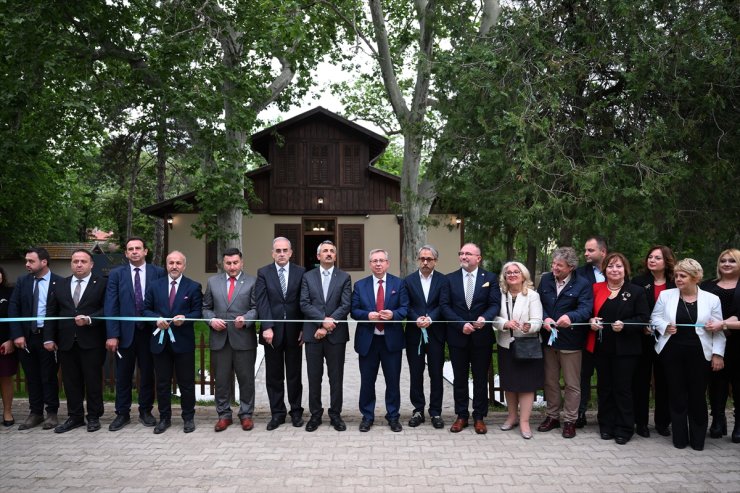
(70, 424)
(365, 425)
(416, 419)
(120, 421)
(188, 426)
(437, 422)
(607, 436)
(274, 423)
(338, 424)
(313, 424)
(93, 424)
(581, 421)
(147, 419)
(642, 430)
(663, 431)
(736, 433)
(718, 428)
(162, 426)
(621, 440)
(31, 421)
(395, 426)
(8, 422)
(297, 420)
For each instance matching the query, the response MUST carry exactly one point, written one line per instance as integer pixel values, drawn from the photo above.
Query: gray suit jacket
(216, 305)
(337, 305)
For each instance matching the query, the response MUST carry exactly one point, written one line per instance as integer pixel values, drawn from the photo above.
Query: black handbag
(526, 347)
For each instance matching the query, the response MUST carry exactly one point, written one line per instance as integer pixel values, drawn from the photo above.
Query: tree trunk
(159, 223)
(531, 263)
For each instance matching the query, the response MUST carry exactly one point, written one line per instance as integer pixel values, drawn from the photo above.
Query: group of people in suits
(658, 329)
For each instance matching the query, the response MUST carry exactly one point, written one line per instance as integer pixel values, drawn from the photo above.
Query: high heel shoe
(718, 429)
(8, 422)
(526, 434)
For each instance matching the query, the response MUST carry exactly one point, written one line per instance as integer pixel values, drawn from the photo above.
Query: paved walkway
(290, 459)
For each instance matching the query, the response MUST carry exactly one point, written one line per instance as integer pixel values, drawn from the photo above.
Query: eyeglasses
(427, 259)
(513, 273)
(379, 261)
(466, 254)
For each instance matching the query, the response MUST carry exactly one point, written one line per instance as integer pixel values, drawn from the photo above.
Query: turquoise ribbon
(424, 338)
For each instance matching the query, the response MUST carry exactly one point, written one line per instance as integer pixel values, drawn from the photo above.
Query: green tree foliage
(596, 117)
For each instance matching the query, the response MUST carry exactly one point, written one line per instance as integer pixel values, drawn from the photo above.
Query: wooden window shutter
(318, 167)
(286, 171)
(351, 246)
(293, 233)
(351, 164)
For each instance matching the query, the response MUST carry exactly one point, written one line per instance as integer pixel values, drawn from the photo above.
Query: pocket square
(486, 285)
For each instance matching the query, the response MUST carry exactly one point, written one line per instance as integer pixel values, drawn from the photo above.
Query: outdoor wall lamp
(170, 221)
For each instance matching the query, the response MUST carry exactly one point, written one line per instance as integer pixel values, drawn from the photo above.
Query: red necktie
(173, 292)
(232, 281)
(380, 303)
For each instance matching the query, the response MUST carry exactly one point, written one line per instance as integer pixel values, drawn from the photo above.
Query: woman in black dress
(658, 277)
(8, 356)
(620, 312)
(725, 286)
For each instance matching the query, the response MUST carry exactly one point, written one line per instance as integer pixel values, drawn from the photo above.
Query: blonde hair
(525, 274)
(732, 252)
(690, 267)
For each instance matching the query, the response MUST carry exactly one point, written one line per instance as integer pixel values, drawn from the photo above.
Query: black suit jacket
(60, 304)
(647, 282)
(587, 271)
(486, 303)
(632, 308)
(272, 305)
(21, 303)
(188, 302)
(431, 307)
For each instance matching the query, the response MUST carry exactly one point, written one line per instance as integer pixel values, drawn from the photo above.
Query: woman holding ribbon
(725, 286)
(658, 277)
(8, 356)
(690, 344)
(520, 316)
(621, 312)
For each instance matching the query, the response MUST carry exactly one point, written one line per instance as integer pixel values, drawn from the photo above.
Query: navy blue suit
(133, 337)
(179, 355)
(434, 349)
(575, 300)
(471, 352)
(375, 350)
(39, 364)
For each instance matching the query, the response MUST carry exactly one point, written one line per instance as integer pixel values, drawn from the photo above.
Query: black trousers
(82, 375)
(614, 390)
(40, 368)
(283, 367)
(418, 356)
(476, 359)
(649, 369)
(688, 373)
(138, 353)
(182, 365)
(333, 354)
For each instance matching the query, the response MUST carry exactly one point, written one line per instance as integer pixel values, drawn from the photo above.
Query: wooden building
(320, 183)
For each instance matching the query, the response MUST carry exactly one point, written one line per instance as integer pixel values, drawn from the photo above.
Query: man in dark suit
(80, 341)
(29, 299)
(381, 298)
(426, 290)
(594, 252)
(567, 298)
(230, 296)
(326, 294)
(474, 299)
(124, 297)
(172, 299)
(278, 292)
